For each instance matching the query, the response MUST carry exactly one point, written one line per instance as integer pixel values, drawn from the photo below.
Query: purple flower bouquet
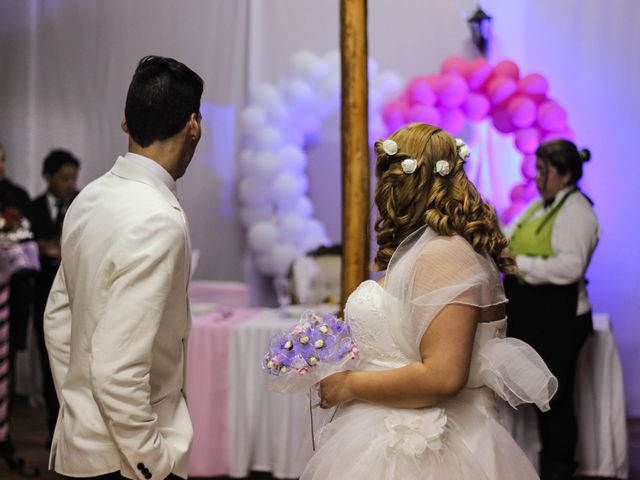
(314, 349)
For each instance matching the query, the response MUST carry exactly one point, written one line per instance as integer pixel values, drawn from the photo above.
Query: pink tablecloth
(208, 383)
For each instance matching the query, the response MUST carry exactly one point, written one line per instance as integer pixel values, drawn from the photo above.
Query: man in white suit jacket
(117, 318)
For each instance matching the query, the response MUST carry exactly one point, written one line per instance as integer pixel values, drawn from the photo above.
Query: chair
(316, 276)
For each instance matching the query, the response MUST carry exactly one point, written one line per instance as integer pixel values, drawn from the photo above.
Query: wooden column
(355, 148)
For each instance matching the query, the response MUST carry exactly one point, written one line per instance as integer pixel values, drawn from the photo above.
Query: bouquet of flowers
(14, 227)
(314, 349)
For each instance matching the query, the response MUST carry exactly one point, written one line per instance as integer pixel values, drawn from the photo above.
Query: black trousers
(117, 476)
(544, 317)
(44, 280)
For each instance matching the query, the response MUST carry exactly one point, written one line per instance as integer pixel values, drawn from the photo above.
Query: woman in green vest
(548, 307)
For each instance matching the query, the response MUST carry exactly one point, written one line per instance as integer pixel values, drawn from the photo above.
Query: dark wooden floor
(29, 435)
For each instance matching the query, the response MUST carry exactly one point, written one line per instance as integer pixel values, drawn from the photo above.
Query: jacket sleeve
(57, 330)
(143, 265)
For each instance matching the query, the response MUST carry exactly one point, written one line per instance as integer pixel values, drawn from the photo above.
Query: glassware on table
(282, 287)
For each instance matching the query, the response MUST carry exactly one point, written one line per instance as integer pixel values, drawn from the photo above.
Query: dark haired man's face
(62, 184)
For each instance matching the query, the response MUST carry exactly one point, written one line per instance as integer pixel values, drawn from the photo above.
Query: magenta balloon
(393, 114)
(455, 64)
(528, 167)
(519, 193)
(527, 140)
(419, 91)
(452, 119)
(507, 68)
(534, 84)
(478, 73)
(500, 89)
(502, 120)
(452, 90)
(531, 191)
(566, 134)
(476, 106)
(522, 111)
(423, 113)
(552, 116)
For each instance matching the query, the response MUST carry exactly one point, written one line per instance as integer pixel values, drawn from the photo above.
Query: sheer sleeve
(427, 273)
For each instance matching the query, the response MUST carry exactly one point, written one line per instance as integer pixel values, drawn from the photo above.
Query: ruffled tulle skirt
(461, 440)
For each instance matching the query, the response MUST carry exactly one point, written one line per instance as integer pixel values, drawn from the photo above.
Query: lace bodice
(373, 332)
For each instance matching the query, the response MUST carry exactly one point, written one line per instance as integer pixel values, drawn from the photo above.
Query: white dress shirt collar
(155, 168)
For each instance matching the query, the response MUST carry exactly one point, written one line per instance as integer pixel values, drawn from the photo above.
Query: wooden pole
(355, 148)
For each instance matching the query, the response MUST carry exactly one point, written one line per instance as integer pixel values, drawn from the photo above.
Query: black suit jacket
(12, 195)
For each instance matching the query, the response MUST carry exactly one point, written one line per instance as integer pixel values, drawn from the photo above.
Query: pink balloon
(419, 91)
(522, 111)
(507, 68)
(478, 73)
(476, 106)
(518, 193)
(534, 84)
(502, 120)
(455, 64)
(527, 140)
(500, 89)
(452, 90)
(531, 191)
(423, 113)
(509, 214)
(567, 134)
(451, 119)
(552, 116)
(393, 114)
(528, 167)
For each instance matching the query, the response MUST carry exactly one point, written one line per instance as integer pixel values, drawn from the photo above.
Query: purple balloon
(528, 167)
(394, 113)
(423, 113)
(502, 120)
(455, 64)
(478, 73)
(500, 89)
(452, 90)
(534, 84)
(452, 120)
(507, 68)
(419, 91)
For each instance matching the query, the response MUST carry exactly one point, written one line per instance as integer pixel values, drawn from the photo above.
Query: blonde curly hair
(448, 204)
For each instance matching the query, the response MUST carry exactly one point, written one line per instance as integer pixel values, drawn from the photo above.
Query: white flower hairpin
(442, 168)
(463, 150)
(390, 147)
(409, 165)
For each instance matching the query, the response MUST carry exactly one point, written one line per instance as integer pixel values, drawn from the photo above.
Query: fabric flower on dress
(442, 168)
(409, 165)
(412, 433)
(463, 150)
(390, 147)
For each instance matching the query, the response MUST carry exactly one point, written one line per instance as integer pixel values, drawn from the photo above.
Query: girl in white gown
(431, 334)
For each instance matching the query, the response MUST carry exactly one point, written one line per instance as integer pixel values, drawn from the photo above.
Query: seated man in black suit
(60, 171)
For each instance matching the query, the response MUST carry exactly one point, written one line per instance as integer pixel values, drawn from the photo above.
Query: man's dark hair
(56, 159)
(162, 96)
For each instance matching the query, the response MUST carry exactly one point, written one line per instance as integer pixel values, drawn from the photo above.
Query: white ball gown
(461, 438)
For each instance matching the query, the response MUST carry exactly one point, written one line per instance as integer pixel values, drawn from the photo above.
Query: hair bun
(585, 154)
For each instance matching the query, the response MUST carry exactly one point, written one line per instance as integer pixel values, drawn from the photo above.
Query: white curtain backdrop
(65, 66)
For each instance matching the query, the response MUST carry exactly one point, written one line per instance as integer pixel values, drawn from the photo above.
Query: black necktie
(59, 215)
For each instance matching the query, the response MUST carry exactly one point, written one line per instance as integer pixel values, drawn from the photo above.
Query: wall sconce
(480, 25)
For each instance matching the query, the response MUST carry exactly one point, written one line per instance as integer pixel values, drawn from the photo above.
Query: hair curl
(448, 204)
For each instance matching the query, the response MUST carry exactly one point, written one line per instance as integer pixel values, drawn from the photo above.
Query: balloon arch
(281, 120)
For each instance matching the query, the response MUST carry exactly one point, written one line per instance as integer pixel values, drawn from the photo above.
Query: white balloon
(266, 166)
(286, 188)
(282, 256)
(315, 227)
(263, 262)
(311, 242)
(263, 236)
(334, 60)
(302, 207)
(246, 159)
(299, 93)
(372, 68)
(269, 137)
(330, 88)
(375, 101)
(266, 94)
(278, 112)
(388, 83)
(293, 159)
(253, 116)
(293, 228)
(253, 215)
(254, 192)
(377, 129)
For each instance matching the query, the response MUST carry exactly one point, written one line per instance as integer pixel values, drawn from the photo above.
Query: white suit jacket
(116, 328)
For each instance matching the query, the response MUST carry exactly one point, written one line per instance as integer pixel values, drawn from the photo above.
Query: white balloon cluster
(278, 123)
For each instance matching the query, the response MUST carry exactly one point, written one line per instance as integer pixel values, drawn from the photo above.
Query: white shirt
(155, 168)
(52, 203)
(574, 237)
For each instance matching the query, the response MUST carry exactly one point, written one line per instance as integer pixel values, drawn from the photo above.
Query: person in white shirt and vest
(60, 171)
(117, 320)
(552, 242)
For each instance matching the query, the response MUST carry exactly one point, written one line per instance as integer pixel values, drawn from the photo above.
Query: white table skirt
(602, 449)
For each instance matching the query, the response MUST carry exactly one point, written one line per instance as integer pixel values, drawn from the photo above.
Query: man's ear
(194, 126)
(123, 125)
